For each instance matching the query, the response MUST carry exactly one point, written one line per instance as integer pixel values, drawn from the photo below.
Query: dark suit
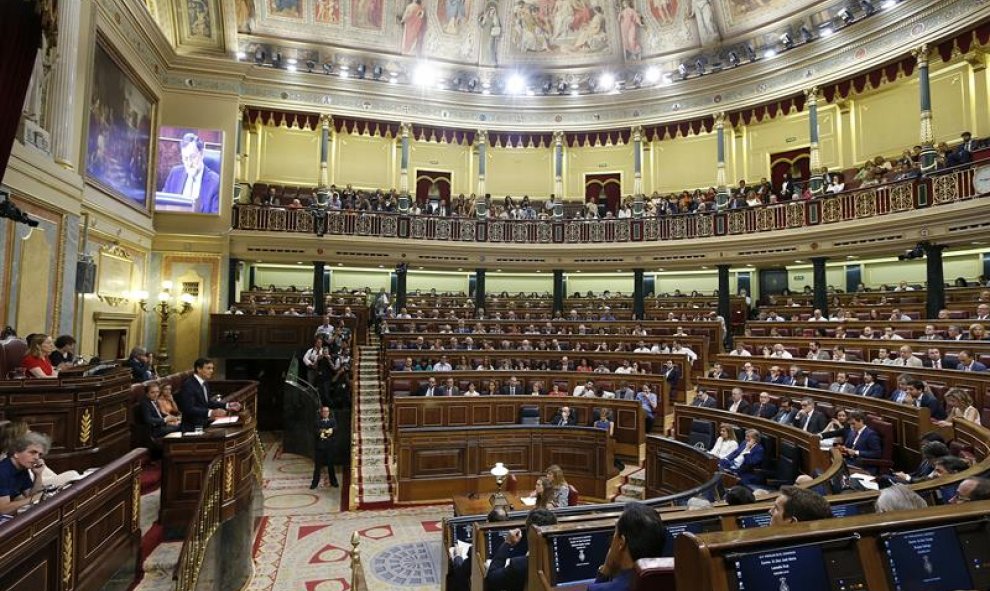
(753, 377)
(817, 423)
(867, 444)
(764, 411)
(139, 371)
(425, 391)
(208, 200)
(928, 400)
(672, 375)
(742, 409)
(558, 420)
(507, 576)
(785, 418)
(752, 460)
(509, 390)
(944, 363)
(708, 402)
(622, 581)
(326, 431)
(154, 419)
(973, 366)
(195, 404)
(874, 390)
(717, 375)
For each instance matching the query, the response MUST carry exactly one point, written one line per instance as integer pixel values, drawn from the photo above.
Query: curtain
(432, 185)
(607, 188)
(20, 37)
(797, 162)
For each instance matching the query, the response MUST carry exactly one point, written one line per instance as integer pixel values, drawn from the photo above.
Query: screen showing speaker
(188, 175)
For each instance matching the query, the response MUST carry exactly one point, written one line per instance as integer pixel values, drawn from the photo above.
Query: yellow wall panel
(359, 279)
(893, 272)
(423, 281)
(496, 283)
(614, 283)
(34, 282)
(520, 171)
(685, 163)
(601, 160)
(887, 122)
(951, 97)
(451, 158)
(365, 162)
(290, 156)
(282, 277)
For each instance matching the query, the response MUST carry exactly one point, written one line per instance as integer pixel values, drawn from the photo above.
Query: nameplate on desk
(223, 421)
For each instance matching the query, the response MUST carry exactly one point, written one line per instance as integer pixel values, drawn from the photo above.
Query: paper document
(223, 421)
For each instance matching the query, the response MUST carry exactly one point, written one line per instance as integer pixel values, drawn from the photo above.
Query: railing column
(239, 166)
(233, 267)
(325, 122)
(558, 165)
(482, 142)
(405, 130)
(639, 303)
(724, 308)
(479, 289)
(927, 131)
(319, 301)
(935, 277)
(401, 273)
(723, 191)
(820, 287)
(637, 140)
(815, 183)
(558, 291)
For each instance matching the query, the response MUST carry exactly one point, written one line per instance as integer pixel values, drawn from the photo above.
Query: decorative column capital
(720, 120)
(922, 54)
(637, 133)
(812, 95)
(405, 129)
(242, 112)
(326, 120)
(558, 137)
(482, 137)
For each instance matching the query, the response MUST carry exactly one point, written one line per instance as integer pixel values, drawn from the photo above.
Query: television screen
(463, 531)
(188, 176)
(846, 510)
(696, 527)
(575, 557)
(755, 520)
(495, 537)
(926, 560)
(799, 568)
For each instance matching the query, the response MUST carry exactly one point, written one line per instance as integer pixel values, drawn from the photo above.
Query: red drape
(797, 162)
(20, 35)
(426, 179)
(604, 186)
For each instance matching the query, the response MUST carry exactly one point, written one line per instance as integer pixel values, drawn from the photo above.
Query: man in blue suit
(967, 363)
(192, 179)
(746, 459)
(194, 400)
(862, 442)
(870, 386)
(510, 563)
(918, 395)
(638, 534)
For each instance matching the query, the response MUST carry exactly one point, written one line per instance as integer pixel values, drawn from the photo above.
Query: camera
(12, 212)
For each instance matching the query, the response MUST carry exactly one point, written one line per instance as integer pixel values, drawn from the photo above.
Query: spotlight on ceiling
(667, 78)
(425, 74)
(786, 41)
(292, 61)
(393, 78)
(652, 75)
(699, 66)
(683, 71)
(310, 64)
(827, 31)
(472, 84)
(867, 7)
(888, 4)
(327, 68)
(361, 69)
(345, 71)
(770, 53)
(806, 35)
(751, 53)
(516, 84)
(259, 56)
(606, 82)
(241, 56)
(846, 16)
(377, 72)
(561, 86)
(733, 59)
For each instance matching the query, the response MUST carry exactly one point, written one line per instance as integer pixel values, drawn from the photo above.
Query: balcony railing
(945, 187)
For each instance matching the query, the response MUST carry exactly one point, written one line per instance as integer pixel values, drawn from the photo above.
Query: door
(772, 282)
(432, 186)
(797, 162)
(606, 188)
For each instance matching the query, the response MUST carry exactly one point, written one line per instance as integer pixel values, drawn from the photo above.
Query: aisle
(372, 479)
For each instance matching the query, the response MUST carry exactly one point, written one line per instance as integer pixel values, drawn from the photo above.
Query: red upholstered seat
(886, 431)
(13, 352)
(572, 496)
(654, 574)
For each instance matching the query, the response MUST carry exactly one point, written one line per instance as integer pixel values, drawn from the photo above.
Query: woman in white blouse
(726, 442)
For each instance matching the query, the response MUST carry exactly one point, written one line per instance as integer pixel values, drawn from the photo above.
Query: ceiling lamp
(327, 68)
(806, 35)
(425, 74)
(606, 82)
(683, 71)
(846, 16)
(516, 84)
(652, 75)
(699, 65)
(259, 56)
(733, 59)
(786, 41)
(888, 4)
(770, 53)
(310, 64)
(377, 72)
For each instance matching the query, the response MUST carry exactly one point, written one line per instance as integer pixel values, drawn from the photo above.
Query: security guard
(326, 428)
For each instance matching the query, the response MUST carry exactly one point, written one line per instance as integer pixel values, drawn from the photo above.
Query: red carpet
(151, 477)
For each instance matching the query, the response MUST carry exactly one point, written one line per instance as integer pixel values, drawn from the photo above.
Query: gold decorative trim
(136, 500)
(85, 427)
(228, 476)
(67, 558)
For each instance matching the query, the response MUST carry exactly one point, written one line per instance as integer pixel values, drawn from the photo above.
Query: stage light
(472, 84)
(360, 71)
(699, 66)
(806, 35)
(345, 71)
(846, 16)
(377, 72)
(751, 53)
(516, 84)
(652, 75)
(667, 78)
(867, 7)
(547, 85)
(637, 79)
(277, 60)
(733, 59)
(291, 67)
(682, 70)
(310, 64)
(327, 68)
(529, 92)
(888, 4)
(292, 61)
(241, 55)
(393, 79)
(425, 74)
(786, 41)
(606, 82)
(770, 53)
(259, 56)
(561, 87)
(828, 32)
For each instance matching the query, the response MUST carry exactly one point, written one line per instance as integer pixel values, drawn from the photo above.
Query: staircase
(634, 488)
(373, 478)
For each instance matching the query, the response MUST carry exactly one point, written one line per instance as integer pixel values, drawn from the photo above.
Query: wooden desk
(480, 503)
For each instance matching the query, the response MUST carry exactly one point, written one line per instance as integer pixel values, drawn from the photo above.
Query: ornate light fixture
(500, 472)
(167, 306)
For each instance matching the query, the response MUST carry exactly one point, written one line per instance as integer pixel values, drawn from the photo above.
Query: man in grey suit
(703, 400)
(450, 389)
(841, 384)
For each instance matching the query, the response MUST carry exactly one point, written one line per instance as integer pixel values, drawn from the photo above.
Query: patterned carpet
(305, 540)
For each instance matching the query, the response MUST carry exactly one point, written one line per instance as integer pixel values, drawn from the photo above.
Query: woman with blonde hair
(560, 490)
(543, 491)
(36, 363)
(726, 442)
(959, 404)
(166, 403)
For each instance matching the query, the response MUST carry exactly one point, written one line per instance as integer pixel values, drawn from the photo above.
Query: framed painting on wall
(119, 140)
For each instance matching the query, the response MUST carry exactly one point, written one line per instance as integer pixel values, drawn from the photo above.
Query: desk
(480, 504)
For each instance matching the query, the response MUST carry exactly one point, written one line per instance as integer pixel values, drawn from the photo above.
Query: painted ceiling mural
(552, 33)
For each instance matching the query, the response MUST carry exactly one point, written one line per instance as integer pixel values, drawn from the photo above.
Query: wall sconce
(500, 472)
(114, 300)
(166, 307)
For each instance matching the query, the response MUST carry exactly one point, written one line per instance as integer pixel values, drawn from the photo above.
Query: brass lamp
(167, 306)
(500, 472)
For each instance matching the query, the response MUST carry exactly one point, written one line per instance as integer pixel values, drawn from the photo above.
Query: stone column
(62, 94)
(820, 284)
(326, 121)
(401, 273)
(723, 191)
(482, 142)
(319, 297)
(639, 295)
(637, 139)
(479, 289)
(816, 183)
(233, 267)
(935, 278)
(404, 199)
(927, 131)
(558, 166)
(239, 165)
(724, 306)
(558, 291)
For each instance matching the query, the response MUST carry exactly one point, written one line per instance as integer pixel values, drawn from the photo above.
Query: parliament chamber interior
(494, 295)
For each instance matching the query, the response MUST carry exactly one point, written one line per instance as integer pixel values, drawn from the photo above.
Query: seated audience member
(471, 391)
(948, 465)
(738, 404)
(972, 489)
(967, 363)
(36, 363)
(795, 505)
(563, 418)
(918, 395)
(739, 495)
(160, 423)
(870, 386)
(841, 384)
(749, 373)
(703, 399)
(166, 402)
(786, 413)
(25, 457)
(776, 376)
(586, 390)
(140, 364)
(604, 421)
(509, 567)
(862, 441)
(639, 534)
(764, 409)
(801, 379)
(459, 577)
(64, 354)
(648, 400)
(815, 351)
(931, 451)
(744, 461)
(449, 388)
(976, 333)
(716, 372)
(960, 406)
(906, 358)
(543, 494)
(899, 497)
(726, 442)
(556, 391)
(740, 350)
(837, 429)
(561, 490)
(810, 419)
(430, 388)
